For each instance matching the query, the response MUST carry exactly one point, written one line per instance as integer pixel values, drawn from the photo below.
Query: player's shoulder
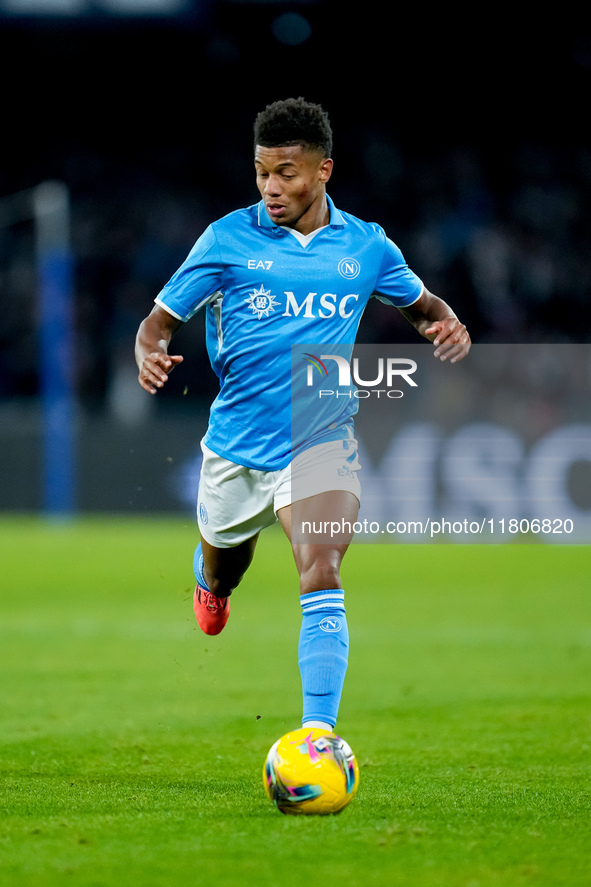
(245, 217)
(235, 230)
(373, 234)
(358, 231)
(353, 222)
(223, 234)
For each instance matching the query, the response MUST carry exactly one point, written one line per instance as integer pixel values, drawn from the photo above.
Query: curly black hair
(294, 122)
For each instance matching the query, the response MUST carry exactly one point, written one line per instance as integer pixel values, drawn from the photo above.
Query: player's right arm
(151, 349)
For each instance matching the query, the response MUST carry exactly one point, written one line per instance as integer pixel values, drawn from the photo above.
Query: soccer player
(291, 269)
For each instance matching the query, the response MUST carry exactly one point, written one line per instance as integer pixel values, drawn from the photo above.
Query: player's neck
(317, 216)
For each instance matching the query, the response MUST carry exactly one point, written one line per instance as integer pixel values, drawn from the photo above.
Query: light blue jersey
(264, 292)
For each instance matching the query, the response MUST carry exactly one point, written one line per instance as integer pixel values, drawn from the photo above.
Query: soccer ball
(310, 771)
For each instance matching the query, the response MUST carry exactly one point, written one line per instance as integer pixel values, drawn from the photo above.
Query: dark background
(465, 135)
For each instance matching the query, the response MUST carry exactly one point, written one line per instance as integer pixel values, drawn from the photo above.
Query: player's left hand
(452, 340)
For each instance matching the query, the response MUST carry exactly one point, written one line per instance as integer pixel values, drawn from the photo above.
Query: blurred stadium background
(465, 135)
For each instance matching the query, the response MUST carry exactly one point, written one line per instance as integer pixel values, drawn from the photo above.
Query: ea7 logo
(259, 265)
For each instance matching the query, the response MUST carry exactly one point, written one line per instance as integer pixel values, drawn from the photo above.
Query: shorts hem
(282, 501)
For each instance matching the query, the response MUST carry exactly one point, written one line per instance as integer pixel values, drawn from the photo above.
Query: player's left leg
(324, 637)
(318, 555)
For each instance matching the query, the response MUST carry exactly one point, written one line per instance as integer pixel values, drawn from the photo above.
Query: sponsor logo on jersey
(323, 306)
(259, 264)
(261, 302)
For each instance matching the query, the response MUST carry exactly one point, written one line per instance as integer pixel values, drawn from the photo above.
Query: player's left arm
(435, 320)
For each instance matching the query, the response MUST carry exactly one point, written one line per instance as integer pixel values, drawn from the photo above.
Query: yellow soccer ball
(310, 771)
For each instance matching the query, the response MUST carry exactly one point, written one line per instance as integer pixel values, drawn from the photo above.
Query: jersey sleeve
(396, 284)
(197, 281)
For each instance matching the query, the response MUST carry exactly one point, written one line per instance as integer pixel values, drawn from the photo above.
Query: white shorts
(234, 503)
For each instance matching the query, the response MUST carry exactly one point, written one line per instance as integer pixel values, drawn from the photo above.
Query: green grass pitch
(131, 746)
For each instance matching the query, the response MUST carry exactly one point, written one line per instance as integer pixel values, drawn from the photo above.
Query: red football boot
(212, 612)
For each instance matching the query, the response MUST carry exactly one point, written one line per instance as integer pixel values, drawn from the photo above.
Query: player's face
(292, 183)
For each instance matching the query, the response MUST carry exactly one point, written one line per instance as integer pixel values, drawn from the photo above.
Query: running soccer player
(291, 269)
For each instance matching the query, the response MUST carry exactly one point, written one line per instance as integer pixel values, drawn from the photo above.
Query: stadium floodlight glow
(83, 8)
(48, 205)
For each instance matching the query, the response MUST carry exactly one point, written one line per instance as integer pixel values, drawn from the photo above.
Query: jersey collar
(336, 218)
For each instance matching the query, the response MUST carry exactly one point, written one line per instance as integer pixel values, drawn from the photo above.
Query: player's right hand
(155, 369)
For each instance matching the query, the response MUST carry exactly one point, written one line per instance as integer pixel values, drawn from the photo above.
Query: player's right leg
(222, 569)
(218, 571)
(234, 504)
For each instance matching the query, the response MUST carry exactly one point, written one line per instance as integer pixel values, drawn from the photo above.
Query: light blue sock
(198, 567)
(323, 653)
